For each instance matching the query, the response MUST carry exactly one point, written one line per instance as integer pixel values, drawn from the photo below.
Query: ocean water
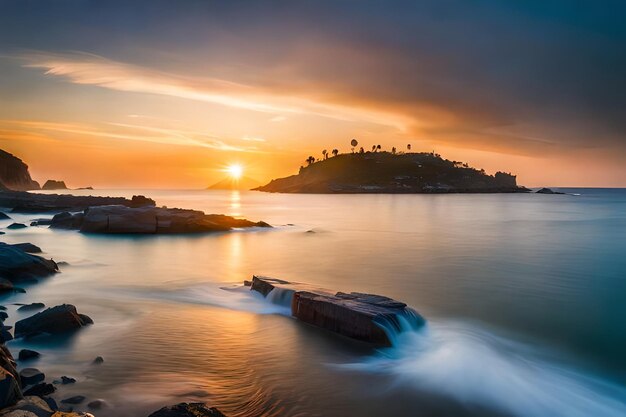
(524, 297)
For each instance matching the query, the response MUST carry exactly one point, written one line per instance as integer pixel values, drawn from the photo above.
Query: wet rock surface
(15, 264)
(356, 315)
(55, 320)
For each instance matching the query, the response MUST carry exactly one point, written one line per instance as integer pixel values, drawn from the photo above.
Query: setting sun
(235, 171)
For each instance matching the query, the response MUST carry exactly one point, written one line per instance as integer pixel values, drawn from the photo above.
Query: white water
(473, 366)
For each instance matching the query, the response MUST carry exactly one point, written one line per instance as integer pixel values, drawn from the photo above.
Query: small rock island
(391, 172)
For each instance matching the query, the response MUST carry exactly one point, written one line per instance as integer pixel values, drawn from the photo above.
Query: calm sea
(525, 297)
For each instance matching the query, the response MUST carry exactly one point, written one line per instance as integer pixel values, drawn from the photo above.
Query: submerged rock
(98, 360)
(55, 320)
(31, 307)
(14, 226)
(26, 354)
(147, 220)
(97, 404)
(188, 410)
(67, 380)
(77, 399)
(27, 247)
(15, 264)
(365, 317)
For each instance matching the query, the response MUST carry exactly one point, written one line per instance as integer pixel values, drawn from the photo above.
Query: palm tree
(335, 152)
(408, 147)
(373, 148)
(310, 160)
(361, 150)
(354, 143)
(325, 153)
(378, 147)
(393, 150)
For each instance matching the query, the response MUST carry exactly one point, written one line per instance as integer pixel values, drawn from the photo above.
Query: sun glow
(235, 171)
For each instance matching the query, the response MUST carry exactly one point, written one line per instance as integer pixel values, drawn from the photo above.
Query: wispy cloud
(120, 131)
(89, 69)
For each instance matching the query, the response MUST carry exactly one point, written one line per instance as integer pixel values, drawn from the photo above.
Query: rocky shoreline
(25, 391)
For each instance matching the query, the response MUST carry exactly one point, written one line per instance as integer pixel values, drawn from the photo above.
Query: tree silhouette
(325, 153)
(378, 147)
(310, 160)
(393, 150)
(373, 148)
(361, 150)
(354, 143)
(408, 147)
(335, 152)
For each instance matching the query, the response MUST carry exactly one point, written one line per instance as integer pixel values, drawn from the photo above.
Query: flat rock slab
(147, 220)
(360, 316)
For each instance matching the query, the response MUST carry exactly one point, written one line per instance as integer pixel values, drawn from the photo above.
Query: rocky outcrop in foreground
(365, 317)
(40, 203)
(147, 220)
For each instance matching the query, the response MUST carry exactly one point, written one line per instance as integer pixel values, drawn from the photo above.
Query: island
(391, 172)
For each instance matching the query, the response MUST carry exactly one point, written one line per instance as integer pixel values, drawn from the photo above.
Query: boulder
(360, 316)
(4, 216)
(70, 414)
(26, 354)
(27, 247)
(97, 404)
(188, 410)
(31, 307)
(40, 390)
(31, 376)
(54, 185)
(5, 334)
(60, 319)
(15, 264)
(7, 362)
(147, 220)
(14, 226)
(28, 407)
(10, 392)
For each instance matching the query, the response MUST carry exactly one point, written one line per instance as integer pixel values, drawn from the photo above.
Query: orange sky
(169, 101)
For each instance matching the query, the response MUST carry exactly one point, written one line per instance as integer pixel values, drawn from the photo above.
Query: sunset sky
(167, 94)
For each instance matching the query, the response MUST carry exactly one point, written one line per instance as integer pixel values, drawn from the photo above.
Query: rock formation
(40, 203)
(384, 172)
(60, 319)
(14, 174)
(147, 220)
(364, 317)
(54, 185)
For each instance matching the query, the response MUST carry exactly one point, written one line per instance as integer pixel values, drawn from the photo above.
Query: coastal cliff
(385, 172)
(14, 174)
